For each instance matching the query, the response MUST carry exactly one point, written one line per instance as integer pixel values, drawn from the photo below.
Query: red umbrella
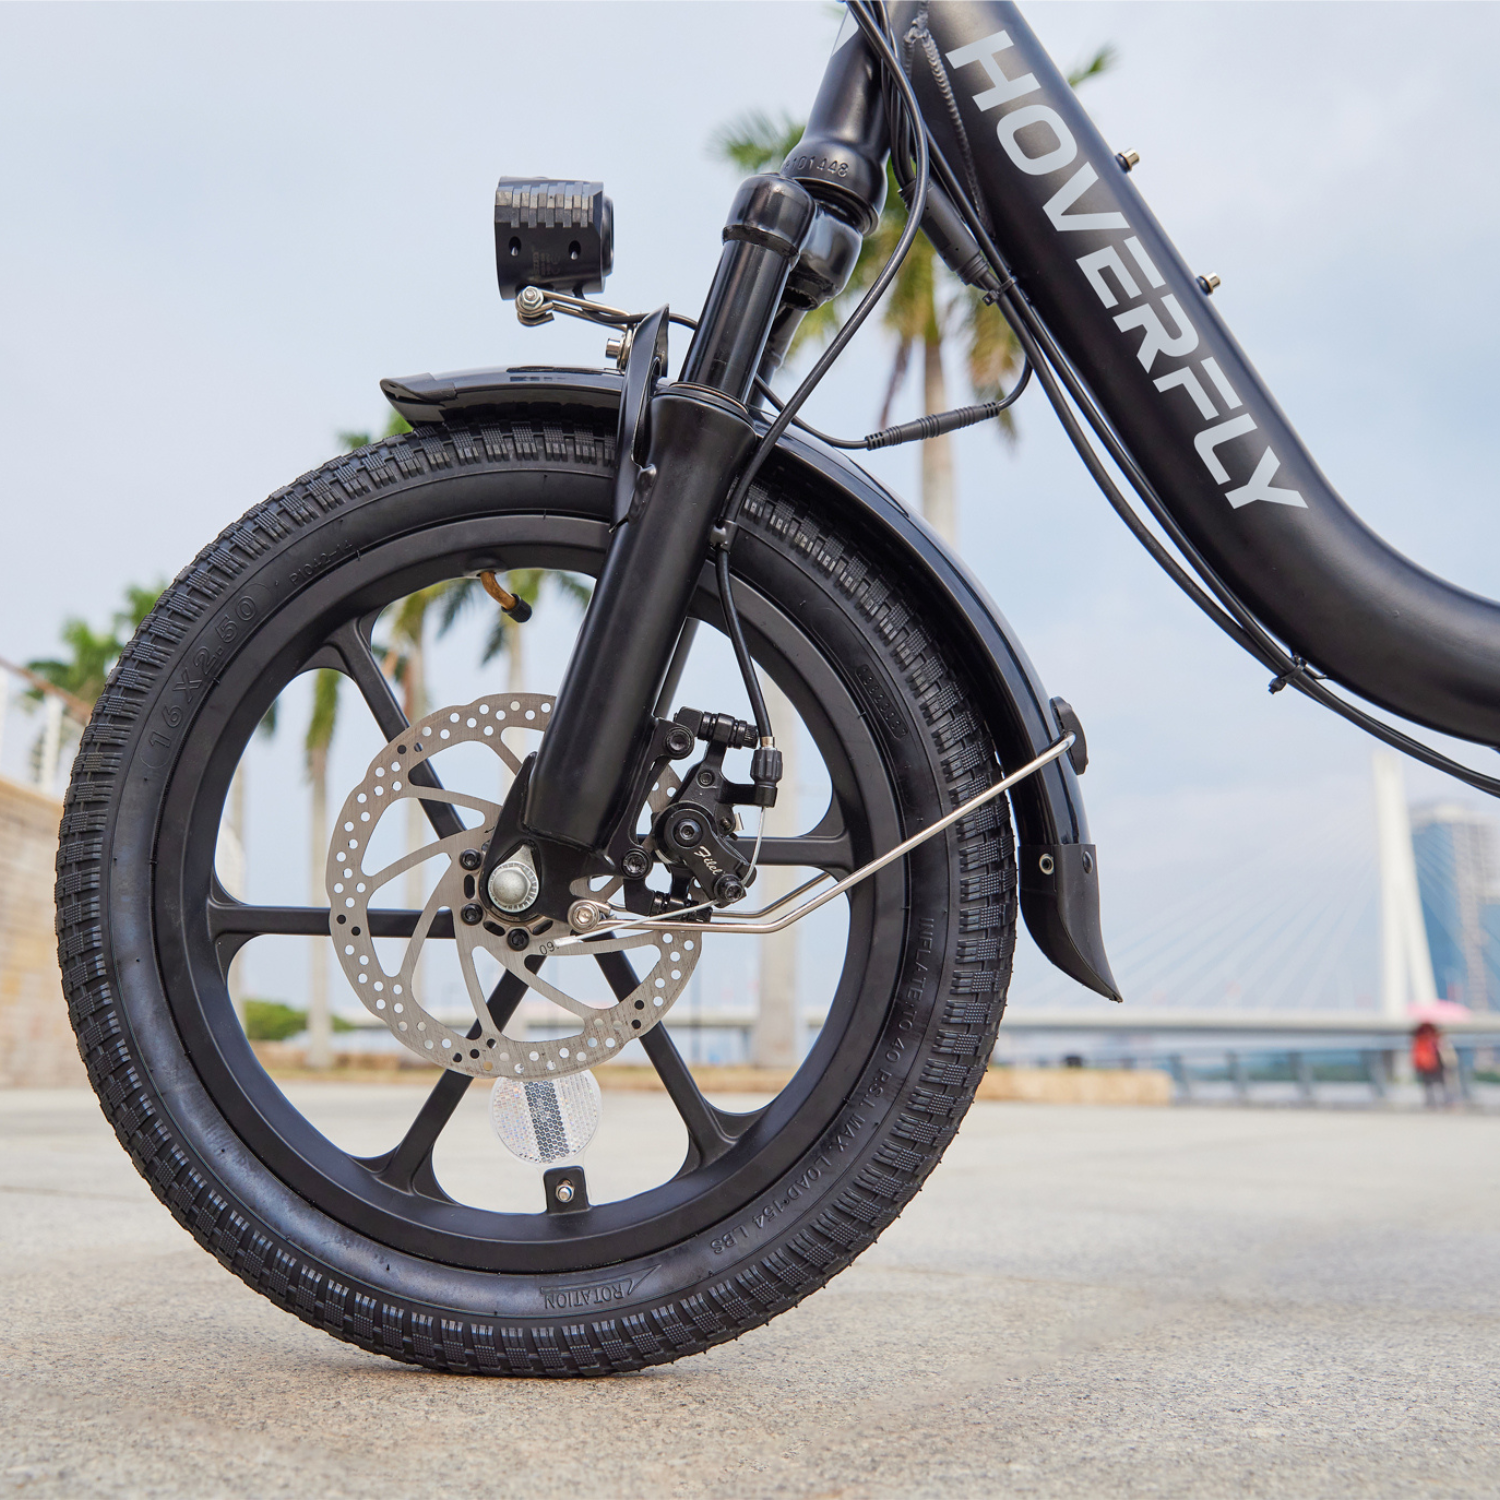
(1439, 1012)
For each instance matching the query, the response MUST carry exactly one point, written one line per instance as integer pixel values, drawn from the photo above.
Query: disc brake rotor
(393, 995)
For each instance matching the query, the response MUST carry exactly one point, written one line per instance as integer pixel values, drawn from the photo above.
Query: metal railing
(44, 761)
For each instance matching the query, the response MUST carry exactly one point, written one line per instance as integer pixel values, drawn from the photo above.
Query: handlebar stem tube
(700, 436)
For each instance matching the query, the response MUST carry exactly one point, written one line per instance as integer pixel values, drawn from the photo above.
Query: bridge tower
(1405, 961)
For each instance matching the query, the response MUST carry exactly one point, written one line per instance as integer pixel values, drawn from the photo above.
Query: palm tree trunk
(416, 822)
(774, 1043)
(515, 678)
(319, 1023)
(938, 502)
(234, 872)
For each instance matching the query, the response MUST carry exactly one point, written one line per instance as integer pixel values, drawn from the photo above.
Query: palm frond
(1100, 63)
(459, 595)
(756, 140)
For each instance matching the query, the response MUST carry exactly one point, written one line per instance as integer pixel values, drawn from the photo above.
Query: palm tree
(93, 653)
(319, 737)
(81, 675)
(924, 307)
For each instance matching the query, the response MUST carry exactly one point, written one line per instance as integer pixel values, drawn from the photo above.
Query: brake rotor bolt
(473, 914)
(471, 859)
(518, 938)
(564, 1191)
(636, 864)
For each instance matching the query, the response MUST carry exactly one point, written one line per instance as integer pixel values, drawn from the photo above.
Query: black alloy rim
(395, 1198)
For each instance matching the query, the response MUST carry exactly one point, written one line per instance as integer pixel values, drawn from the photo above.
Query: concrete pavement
(1082, 1302)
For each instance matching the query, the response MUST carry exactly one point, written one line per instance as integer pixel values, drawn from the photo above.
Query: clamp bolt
(473, 914)
(471, 859)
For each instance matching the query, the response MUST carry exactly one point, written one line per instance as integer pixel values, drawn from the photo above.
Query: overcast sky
(224, 223)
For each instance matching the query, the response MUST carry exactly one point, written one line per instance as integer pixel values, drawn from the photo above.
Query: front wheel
(385, 1248)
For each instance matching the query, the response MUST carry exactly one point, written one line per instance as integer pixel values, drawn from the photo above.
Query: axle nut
(513, 885)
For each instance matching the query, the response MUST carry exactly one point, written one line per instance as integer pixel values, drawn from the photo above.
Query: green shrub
(272, 1021)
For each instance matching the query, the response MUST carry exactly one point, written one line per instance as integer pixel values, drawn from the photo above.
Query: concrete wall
(36, 1041)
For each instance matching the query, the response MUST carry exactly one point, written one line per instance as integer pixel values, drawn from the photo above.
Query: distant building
(1459, 881)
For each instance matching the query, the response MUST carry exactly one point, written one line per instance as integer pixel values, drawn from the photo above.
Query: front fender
(1058, 865)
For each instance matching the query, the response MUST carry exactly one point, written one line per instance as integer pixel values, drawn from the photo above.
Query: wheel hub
(591, 1032)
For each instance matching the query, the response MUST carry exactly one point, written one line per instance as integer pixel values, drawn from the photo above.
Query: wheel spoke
(232, 924)
(408, 1167)
(353, 648)
(827, 847)
(711, 1132)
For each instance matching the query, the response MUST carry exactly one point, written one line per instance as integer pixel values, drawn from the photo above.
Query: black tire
(825, 1169)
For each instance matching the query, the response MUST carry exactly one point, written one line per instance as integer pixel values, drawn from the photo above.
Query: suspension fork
(700, 435)
(789, 243)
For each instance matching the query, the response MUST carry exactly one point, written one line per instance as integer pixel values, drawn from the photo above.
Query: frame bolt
(518, 938)
(1208, 283)
(564, 1191)
(636, 864)
(471, 859)
(1127, 159)
(473, 914)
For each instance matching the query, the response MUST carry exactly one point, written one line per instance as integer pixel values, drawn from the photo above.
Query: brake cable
(1226, 609)
(934, 425)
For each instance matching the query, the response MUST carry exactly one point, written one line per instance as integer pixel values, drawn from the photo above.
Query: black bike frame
(1192, 422)
(1139, 329)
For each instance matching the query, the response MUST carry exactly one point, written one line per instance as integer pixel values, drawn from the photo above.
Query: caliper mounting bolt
(728, 889)
(636, 864)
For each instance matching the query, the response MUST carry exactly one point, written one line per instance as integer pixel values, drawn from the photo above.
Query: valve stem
(518, 609)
